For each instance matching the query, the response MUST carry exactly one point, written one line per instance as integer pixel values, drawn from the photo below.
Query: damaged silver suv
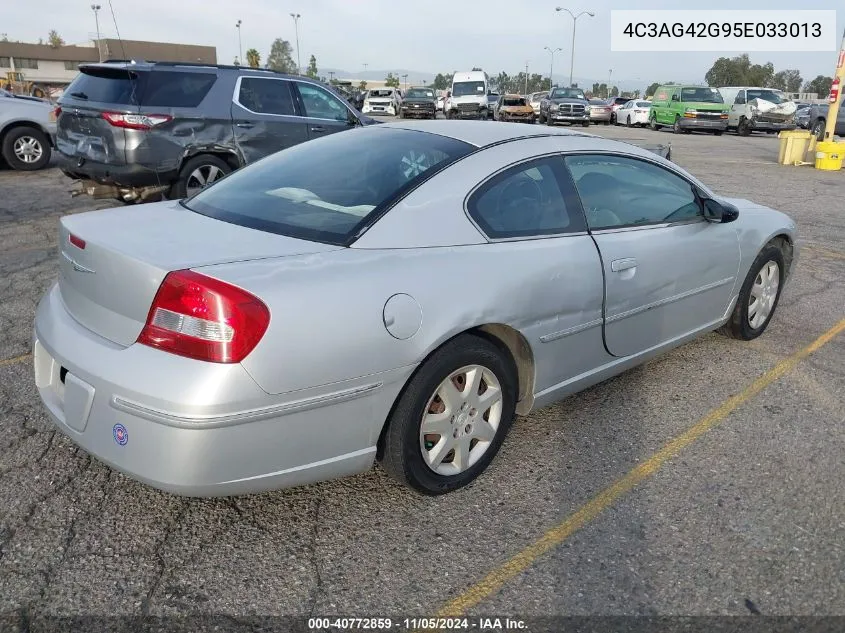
(139, 131)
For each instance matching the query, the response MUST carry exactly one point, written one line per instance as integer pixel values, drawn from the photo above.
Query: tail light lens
(136, 121)
(203, 318)
(54, 114)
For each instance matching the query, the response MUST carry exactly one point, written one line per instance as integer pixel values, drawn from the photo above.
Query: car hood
(417, 100)
(569, 100)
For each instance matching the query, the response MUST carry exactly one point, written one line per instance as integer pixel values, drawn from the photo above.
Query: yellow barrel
(793, 146)
(829, 155)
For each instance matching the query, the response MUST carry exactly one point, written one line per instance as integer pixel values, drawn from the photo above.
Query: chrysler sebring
(396, 293)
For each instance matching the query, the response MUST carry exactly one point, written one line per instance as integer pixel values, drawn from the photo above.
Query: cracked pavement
(753, 512)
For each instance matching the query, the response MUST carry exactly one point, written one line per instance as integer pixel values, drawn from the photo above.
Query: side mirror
(719, 211)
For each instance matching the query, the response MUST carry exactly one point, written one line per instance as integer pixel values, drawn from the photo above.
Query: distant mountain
(414, 76)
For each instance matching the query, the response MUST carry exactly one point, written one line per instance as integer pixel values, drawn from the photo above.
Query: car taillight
(54, 114)
(136, 121)
(204, 318)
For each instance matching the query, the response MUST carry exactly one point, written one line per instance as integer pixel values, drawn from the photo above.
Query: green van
(688, 108)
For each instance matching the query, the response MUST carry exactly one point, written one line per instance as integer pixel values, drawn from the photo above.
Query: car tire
(676, 126)
(613, 118)
(717, 132)
(652, 123)
(26, 149)
(742, 128)
(818, 129)
(739, 326)
(205, 164)
(404, 444)
(628, 121)
(586, 124)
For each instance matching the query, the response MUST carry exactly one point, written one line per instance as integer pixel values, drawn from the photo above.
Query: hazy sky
(430, 36)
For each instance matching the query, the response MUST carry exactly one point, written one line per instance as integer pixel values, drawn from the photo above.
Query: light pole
(526, 78)
(609, 75)
(574, 20)
(95, 8)
(405, 78)
(552, 64)
(240, 46)
(296, 17)
(331, 76)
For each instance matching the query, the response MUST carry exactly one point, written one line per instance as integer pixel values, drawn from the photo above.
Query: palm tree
(253, 58)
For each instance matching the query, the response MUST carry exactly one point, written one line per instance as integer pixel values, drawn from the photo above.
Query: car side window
(740, 97)
(676, 96)
(525, 201)
(266, 96)
(617, 191)
(319, 104)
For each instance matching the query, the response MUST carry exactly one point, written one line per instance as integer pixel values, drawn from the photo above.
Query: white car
(634, 112)
(382, 101)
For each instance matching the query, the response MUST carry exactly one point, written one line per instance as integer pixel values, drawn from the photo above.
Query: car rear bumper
(195, 428)
(600, 116)
(129, 175)
(703, 124)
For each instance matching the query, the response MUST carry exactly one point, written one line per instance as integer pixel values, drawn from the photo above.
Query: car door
(264, 118)
(668, 271)
(532, 209)
(324, 113)
(737, 109)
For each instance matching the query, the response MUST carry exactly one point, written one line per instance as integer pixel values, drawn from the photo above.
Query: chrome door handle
(618, 265)
(317, 128)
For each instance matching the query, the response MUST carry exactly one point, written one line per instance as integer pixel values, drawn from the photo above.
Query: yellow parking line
(497, 578)
(16, 359)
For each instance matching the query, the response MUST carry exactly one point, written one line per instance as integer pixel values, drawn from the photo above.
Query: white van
(468, 98)
(382, 101)
(762, 109)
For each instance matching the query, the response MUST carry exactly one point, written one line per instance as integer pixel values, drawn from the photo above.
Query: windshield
(568, 93)
(468, 88)
(701, 95)
(381, 93)
(420, 93)
(327, 189)
(775, 96)
(514, 101)
(539, 95)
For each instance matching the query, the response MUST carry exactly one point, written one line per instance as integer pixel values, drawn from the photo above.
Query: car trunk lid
(112, 261)
(82, 131)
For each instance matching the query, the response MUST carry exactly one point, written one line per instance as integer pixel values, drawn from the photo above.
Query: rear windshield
(381, 93)
(701, 95)
(327, 189)
(155, 88)
(514, 101)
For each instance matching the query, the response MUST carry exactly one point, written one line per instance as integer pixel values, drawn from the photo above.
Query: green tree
(362, 86)
(788, 80)
(281, 57)
(652, 88)
(442, 81)
(54, 39)
(820, 85)
(739, 71)
(391, 81)
(312, 67)
(614, 92)
(253, 58)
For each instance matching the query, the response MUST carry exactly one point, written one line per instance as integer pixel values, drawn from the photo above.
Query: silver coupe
(398, 292)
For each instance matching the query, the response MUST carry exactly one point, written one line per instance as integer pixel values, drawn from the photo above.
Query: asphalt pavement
(749, 516)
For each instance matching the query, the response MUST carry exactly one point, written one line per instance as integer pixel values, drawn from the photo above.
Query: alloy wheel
(201, 177)
(764, 292)
(28, 149)
(461, 420)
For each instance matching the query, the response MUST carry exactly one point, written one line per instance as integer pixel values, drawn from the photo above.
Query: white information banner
(721, 31)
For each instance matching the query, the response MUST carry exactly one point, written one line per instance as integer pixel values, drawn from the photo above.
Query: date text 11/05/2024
(417, 624)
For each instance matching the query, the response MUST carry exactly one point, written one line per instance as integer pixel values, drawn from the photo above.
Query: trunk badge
(76, 265)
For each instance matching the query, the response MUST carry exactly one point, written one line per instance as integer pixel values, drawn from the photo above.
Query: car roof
(481, 133)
